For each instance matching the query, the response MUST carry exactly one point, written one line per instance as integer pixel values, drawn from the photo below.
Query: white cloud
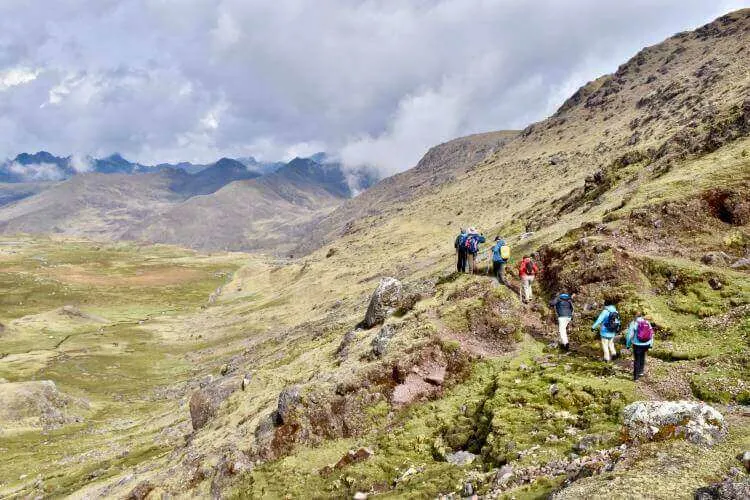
(37, 171)
(376, 81)
(16, 76)
(81, 163)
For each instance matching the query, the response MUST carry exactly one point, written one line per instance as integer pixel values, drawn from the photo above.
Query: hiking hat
(497, 238)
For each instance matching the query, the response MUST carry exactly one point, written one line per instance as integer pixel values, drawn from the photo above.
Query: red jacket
(522, 267)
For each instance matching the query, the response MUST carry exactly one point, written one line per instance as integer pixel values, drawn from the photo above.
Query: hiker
(563, 305)
(641, 336)
(473, 239)
(500, 256)
(609, 324)
(527, 270)
(460, 247)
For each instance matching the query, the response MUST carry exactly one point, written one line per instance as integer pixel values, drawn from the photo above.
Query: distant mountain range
(43, 166)
(231, 204)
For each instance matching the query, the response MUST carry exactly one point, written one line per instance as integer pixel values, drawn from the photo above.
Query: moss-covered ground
(76, 313)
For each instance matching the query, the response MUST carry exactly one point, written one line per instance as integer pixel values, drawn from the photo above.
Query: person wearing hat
(473, 239)
(563, 305)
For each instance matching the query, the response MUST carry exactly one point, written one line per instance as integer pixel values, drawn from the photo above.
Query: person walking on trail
(563, 305)
(609, 325)
(527, 270)
(641, 336)
(473, 240)
(460, 246)
(500, 256)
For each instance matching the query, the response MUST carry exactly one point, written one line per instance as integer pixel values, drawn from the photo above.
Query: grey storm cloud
(375, 81)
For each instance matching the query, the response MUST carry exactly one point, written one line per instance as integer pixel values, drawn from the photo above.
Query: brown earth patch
(163, 276)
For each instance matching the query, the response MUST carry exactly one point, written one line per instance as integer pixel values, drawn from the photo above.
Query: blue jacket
(496, 251)
(599, 323)
(631, 338)
(478, 237)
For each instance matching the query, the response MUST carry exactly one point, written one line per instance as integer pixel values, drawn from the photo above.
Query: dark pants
(498, 268)
(461, 264)
(639, 360)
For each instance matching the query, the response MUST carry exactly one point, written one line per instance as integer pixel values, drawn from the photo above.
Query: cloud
(81, 163)
(372, 81)
(16, 76)
(37, 172)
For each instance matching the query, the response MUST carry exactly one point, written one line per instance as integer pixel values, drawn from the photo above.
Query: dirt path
(482, 348)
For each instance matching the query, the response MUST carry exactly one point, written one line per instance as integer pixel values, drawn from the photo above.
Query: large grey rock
(205, 402)
(460, 458)
(658, 420)
(289, 399)
(384, 300)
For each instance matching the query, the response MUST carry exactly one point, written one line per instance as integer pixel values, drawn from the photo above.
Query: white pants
(526, 287)
(608, 346)
(562, 323)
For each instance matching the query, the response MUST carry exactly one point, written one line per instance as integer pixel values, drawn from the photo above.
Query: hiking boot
(566, 347)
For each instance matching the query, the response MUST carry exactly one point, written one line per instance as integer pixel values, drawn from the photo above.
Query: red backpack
(645, 332)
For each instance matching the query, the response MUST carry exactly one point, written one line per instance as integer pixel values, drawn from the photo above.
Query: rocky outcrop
(37, 405)
(205, 402)
(289, 400)
(384, 301)
(659, 420)
(734, 487)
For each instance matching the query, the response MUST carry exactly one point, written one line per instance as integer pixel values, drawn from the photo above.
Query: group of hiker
(639, 334)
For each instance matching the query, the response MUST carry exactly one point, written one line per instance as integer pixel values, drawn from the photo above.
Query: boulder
(743, 263)
(205, 402)
(381, 340)
(289, 400)
(658, 420)
(460, 458)
(383, 302)
(436, 376)
(745, 457)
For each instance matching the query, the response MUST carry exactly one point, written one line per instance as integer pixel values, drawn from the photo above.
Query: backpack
(529, 267)
(472, 246)
(461, 240)
(613, 323)
(645, 331)
(505, 252)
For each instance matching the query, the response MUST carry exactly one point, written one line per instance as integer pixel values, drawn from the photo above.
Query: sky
(369, 81)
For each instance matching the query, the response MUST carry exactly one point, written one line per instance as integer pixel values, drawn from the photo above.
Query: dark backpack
(472, 246)
(461, 240)
(645, 331)
(529, 267)
(613, 323)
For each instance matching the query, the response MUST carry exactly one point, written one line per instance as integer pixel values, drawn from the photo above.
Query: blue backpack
(462, 240)
(472, 245)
